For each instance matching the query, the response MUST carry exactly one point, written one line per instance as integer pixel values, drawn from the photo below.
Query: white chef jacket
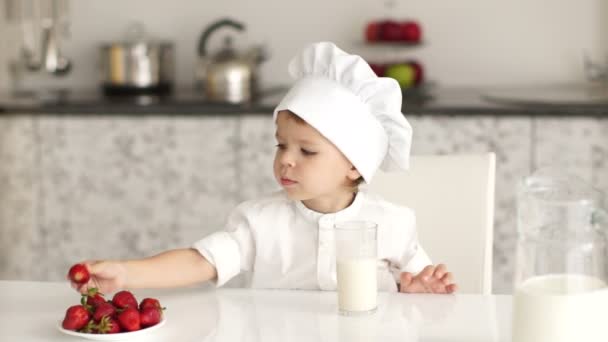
(286, 245)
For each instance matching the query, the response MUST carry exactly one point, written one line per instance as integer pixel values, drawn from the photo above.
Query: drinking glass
(356, 267)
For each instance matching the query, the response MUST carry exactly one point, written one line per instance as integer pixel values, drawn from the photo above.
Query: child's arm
(174, 268)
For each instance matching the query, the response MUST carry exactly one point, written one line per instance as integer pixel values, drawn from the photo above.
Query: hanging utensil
(54, 62)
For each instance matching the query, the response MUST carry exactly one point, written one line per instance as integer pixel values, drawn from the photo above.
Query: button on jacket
(283, 244)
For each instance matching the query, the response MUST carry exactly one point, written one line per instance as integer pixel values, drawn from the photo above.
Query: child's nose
(287, 160)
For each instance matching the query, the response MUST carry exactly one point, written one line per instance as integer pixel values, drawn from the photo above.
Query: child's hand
(432, 279)
(106, 276)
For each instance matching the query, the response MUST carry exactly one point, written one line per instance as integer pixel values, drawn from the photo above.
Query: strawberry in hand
(106, 276)
(79, 274)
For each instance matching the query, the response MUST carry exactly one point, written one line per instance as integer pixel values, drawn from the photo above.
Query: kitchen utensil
(54, 61)
(138, 65)
(228, 75)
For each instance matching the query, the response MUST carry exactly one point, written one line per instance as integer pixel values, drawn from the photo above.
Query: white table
(29, 311)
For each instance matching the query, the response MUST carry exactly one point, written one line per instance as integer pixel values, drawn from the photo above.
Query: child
(336, 126)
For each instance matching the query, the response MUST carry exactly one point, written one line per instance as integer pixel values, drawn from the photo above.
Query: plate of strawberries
(120, 318)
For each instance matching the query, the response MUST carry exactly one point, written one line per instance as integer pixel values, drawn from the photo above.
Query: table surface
(30, 311)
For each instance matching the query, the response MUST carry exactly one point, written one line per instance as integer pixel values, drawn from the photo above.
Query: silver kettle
(227, 75)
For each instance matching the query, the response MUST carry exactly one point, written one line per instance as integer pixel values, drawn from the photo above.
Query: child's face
(306, 164)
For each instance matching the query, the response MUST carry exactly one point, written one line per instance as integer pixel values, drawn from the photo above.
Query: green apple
(403, 73)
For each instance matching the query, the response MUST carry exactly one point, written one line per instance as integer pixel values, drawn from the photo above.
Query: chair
(453, 197)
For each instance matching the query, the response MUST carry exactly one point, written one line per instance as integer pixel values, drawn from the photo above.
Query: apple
(418, 71)
(379, 69)
(390, 31)
(410, 31)
(372, 31)
(403, 72)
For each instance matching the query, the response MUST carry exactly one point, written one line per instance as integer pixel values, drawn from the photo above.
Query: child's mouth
(287, 181)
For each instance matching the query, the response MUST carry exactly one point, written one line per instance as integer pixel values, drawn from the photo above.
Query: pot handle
(202, 43)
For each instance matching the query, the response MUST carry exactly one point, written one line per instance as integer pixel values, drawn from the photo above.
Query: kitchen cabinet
(75, 187)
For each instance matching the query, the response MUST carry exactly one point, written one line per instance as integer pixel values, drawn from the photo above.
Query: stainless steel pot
(138, 65)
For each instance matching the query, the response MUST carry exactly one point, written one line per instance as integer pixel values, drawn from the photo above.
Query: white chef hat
(341, 97)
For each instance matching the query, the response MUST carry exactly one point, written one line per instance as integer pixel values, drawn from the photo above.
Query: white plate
(113, 337)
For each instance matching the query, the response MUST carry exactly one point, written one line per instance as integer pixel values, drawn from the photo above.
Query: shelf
(399, 45)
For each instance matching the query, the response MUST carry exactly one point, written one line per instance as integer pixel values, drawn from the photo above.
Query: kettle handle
(202, 43)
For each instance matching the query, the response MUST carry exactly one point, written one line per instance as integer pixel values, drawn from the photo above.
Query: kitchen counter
(551, 101)
(31, 311)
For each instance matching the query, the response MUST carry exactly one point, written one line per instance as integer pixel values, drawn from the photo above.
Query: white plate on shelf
(113, 337)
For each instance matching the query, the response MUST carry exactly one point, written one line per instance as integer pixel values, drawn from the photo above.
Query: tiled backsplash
(74, 188)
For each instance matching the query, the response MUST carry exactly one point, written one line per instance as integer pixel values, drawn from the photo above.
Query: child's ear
(353, 174)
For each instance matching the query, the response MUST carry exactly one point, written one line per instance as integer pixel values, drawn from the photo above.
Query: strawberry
(93, 299)
(108, 325)
(149, 303)
(79, 274)
(129, 319)
(103, 310)
(89, 328)
(150, 316)
(76, 317)
(124, 299)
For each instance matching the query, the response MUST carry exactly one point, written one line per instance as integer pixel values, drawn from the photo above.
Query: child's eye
(307, 152)
(280, 146)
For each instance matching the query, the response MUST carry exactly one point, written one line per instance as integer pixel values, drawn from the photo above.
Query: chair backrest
(453, 197)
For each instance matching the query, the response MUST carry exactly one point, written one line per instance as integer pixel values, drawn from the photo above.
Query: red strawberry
(96, 300)
(108, 325)
(76, 317)
(79, 274)
(93, 298)
(129, 319)
(102, 310)
(149, 303)
(150, 316)
(89, 328)
(124, 299)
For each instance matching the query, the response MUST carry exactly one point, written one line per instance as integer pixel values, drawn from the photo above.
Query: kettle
(227, 75)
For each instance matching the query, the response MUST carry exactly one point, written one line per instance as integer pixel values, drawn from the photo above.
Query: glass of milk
(356, 250)
(561, 293)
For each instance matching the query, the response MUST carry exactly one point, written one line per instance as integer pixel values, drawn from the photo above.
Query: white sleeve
(231, 250)
(418, 261)
(409, 254)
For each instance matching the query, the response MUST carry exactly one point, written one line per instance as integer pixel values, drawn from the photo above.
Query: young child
(336, 126)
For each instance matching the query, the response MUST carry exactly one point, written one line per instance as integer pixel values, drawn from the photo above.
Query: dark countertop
(522, 101)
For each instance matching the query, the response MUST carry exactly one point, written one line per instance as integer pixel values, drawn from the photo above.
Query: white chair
(453, 197)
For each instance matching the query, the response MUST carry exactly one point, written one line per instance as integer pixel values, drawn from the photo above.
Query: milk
(357, 285)
(561, 308)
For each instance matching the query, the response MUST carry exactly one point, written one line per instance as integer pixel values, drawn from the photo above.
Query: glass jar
(561, 292)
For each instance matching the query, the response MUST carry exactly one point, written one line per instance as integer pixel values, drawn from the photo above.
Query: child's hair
(354, 186)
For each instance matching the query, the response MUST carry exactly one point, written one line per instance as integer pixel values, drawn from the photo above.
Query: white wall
(469, 42)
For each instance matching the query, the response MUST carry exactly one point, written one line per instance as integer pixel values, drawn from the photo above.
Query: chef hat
(341, 97)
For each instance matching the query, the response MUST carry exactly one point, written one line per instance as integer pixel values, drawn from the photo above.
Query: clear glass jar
(561, 278)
